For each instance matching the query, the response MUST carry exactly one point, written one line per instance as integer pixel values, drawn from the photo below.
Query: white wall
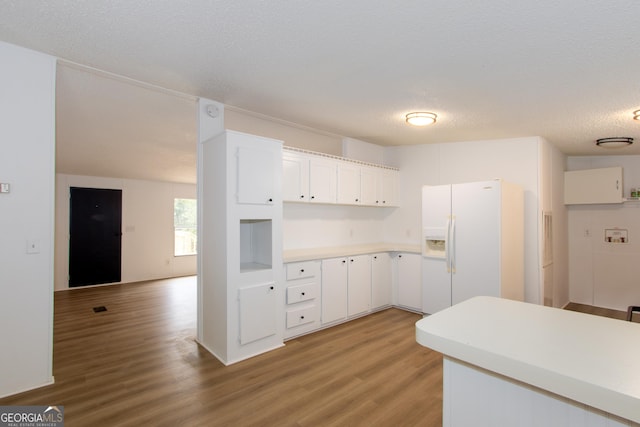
(147, 227)
(363, 151)
(515, 160)
(27, 162)
(291, 134)
(605, 274)
(308, 225)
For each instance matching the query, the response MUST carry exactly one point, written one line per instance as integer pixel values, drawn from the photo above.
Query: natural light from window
(184, 224)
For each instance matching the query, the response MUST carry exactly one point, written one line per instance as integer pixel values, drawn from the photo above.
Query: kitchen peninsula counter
(513, 363)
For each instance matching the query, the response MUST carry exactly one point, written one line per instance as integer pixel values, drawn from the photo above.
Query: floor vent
(99, 309)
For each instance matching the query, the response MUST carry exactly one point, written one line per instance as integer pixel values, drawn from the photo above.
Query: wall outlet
(4, 187)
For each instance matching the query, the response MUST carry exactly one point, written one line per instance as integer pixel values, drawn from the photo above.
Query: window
(184, 224)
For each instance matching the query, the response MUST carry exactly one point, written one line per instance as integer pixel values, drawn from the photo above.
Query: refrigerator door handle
(452, 247)
(447, 245)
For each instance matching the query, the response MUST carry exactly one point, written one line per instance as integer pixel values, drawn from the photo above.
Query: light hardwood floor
(138, 364)
(598, 311)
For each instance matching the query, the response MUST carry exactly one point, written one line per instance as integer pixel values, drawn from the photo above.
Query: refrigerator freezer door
(476, 244)
(436, 279)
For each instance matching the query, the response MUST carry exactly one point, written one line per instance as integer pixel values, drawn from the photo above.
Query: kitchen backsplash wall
(308, 225)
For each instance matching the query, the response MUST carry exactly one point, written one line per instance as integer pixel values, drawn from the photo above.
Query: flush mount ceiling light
(614, 142)
(421, 118)
(636, 115)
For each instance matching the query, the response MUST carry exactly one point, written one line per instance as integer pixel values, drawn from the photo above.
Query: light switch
(4, 187)
(33, 246)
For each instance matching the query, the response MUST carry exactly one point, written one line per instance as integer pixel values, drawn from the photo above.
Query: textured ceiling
(565, 70)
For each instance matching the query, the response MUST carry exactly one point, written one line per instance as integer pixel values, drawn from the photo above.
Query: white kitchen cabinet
(388, 181)
(295, 177)
(348, 183)
(592, 186)
(408, 279)
(369, 177)
(240, 308)
(346, 287)
(358, 285)
(381, 280)
(379, 186)
(317, 178)
(334, 290)
(302, 298)
(256, 171)
(322, 180)
(258, 312)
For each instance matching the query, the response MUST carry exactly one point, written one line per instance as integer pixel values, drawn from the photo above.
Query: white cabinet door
(388, 182)
(369, 185)
(295, 177)
(256, 172)
(322, 180)
(258, 308)
(409, 283)
(380, 280)
(593, 186)
(348, 183)
(334, 290)
(359, 285)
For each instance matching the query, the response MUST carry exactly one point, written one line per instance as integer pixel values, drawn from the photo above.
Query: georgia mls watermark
(31, 416)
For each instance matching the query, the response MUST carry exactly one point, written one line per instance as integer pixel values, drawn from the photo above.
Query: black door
(95, 230)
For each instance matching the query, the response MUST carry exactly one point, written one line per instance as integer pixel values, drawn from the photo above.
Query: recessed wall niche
(255, 244)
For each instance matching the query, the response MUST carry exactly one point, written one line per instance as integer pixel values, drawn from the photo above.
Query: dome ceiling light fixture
(614, 142)
(421, 118)
(636, 115)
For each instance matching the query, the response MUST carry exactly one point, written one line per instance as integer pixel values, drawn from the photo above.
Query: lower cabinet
(302, 298)
(409, 280)
(358, 285)
(257, 312)
(381, 281)
(326, 292)
(334, 290)
(346, 287)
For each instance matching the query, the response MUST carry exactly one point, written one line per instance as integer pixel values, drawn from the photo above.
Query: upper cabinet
(295, 177)
(318, 178)
(349, 183)
(387, 188)
(591, 186)
(256, 172)
(308, 178)
(322, 180)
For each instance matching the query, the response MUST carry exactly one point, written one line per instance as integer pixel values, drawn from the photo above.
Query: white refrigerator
(472, 243)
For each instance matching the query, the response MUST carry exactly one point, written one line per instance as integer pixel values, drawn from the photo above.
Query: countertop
(586, 358)
(340, 251)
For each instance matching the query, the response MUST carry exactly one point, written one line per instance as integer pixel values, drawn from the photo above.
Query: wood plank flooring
(598, 311)
(138, 364)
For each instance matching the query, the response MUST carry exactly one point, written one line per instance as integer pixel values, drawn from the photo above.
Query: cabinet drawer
(299, 293)
(300, 270)
(302, 316)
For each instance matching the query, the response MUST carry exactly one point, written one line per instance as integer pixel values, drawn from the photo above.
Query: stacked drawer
(302, 304)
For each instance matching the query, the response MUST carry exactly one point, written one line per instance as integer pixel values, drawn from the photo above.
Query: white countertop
(295, 255)
(586, 358)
